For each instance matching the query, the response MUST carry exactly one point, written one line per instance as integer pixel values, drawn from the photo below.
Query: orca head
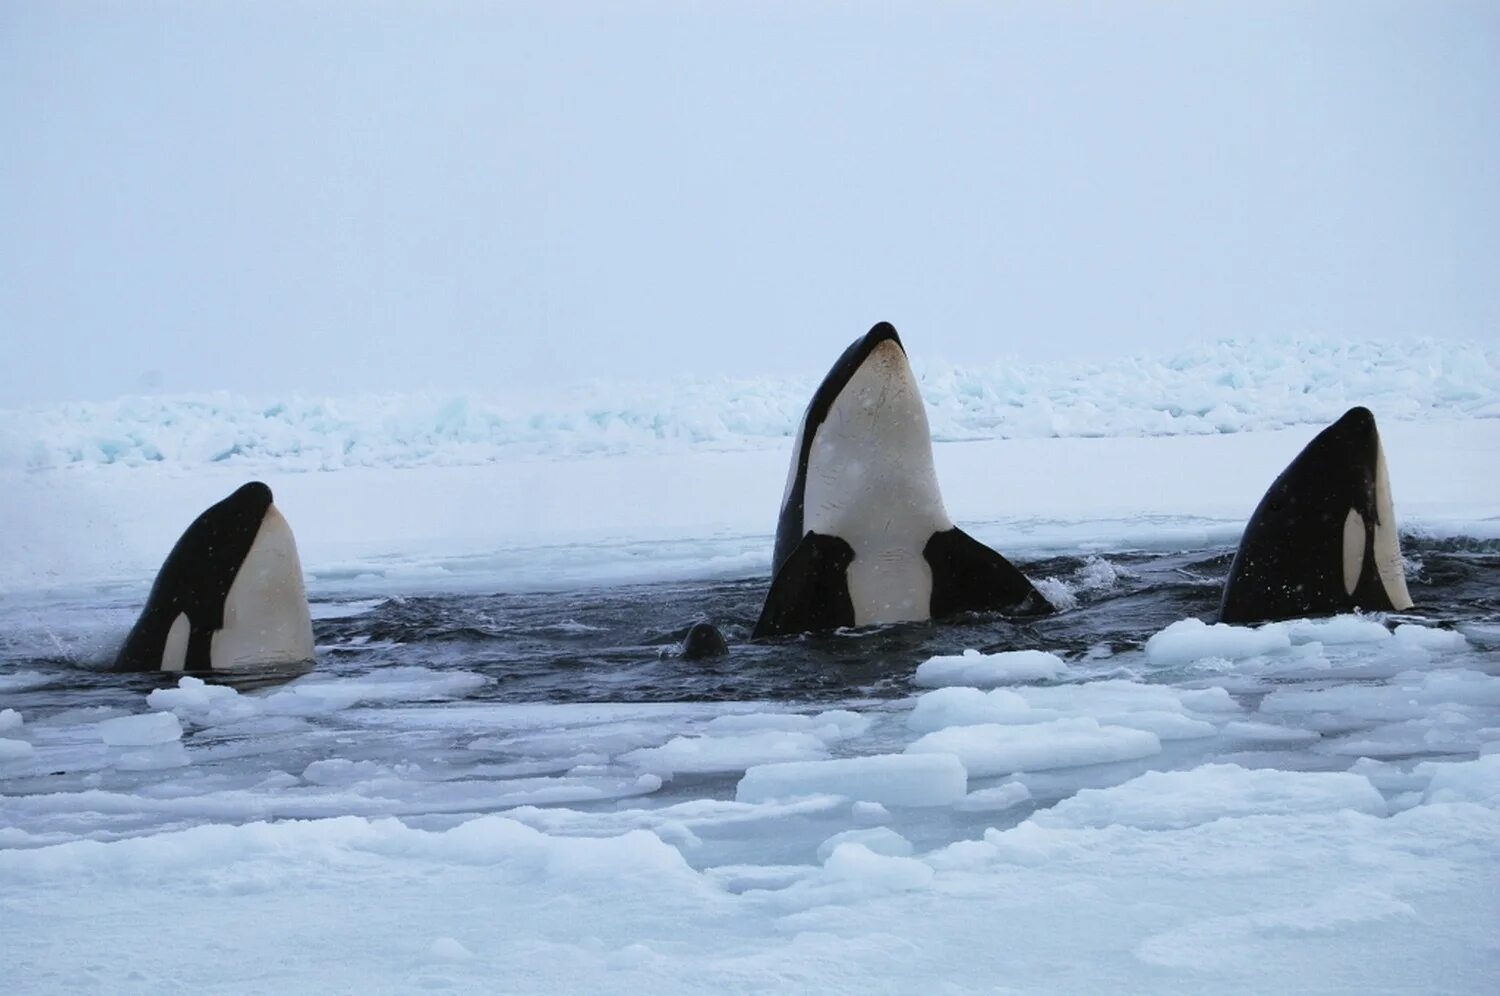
(242, 511)
(1324, 537)
(229, 595)
(863, 441)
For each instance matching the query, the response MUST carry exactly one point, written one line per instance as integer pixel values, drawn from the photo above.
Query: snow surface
(1310, 806)
(1230, 386)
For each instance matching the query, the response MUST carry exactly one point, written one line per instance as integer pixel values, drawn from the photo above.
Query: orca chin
(1323, 540)
(863, 537)
(229, 597)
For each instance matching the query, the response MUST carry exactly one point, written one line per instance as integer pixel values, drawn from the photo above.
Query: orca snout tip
(1359, 417)
(881, 332)
(254, 490)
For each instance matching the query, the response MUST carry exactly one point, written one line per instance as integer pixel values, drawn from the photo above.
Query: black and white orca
(863, 536)
(229, 596)
(1323, 540)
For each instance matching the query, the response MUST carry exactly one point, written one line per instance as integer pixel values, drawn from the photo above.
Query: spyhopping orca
(1323, 540)
(863, 537)
(229, 595)
(702, 642)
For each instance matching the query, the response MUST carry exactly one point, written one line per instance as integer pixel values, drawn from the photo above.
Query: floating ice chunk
(1117, 695)
(993, 800)
(889, 779)
(1384, 702)
(987, 670)
(1410, 696)
(1270, 733)
(881, 840)
(1391, 778)
(1207, 699)
(840, 724)
(321, 695)
(144, 730)
(1467, 687)
(1428, 638)
(1444, 729)
(195, 699)
(1188, 640)
(963, 706)
(992, 749)
(14, 750)
(869, 812)
(706, 755)
(1338, 630)
(1168, 800)
(757, 722)
(10, 720)
(492, 842)
(855, 862)
(158, 757)
(1463, 781)
(1166, 725)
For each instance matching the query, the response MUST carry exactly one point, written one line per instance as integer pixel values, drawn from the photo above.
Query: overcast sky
(326, 197)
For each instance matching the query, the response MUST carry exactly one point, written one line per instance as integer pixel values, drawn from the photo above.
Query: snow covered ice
(500, 777)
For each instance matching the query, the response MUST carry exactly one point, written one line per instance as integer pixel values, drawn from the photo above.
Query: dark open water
(619, 643)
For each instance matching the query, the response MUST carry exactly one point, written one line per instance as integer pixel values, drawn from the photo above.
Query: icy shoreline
(1226, 387)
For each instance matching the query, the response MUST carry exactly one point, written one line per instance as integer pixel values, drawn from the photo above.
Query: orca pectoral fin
(811, 591)
(968, 576)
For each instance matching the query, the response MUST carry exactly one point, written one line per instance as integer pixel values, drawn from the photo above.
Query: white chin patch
(174, 651)
(871, 482)
(1387, 539)
(266, 619)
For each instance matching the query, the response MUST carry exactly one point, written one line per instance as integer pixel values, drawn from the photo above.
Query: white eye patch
(1354, 550)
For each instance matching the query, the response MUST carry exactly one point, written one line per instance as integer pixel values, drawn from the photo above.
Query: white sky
(327, 197)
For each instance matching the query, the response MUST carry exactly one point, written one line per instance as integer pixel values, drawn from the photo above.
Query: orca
(863, 536)
(229, 597)
(702, 642)
(1323, 540)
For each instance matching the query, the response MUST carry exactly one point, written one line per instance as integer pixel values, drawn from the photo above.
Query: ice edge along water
(1225, 387)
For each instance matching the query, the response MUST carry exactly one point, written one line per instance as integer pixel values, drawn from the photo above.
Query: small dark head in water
(702, 642)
